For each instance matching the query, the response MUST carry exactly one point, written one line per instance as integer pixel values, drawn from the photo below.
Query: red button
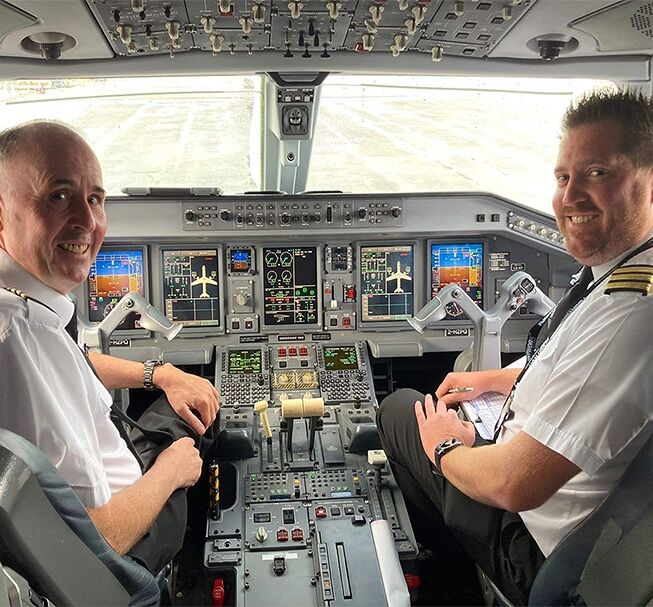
(320, 512)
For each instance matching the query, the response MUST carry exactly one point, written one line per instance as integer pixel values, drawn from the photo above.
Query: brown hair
(631, 110)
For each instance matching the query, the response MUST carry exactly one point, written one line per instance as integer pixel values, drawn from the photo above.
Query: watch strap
(148, 373)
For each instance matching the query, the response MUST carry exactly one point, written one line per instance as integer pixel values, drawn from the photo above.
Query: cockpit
(313, 204)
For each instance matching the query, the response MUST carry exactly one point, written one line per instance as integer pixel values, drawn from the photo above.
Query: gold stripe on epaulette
(18, 292)
(617, 286)
(634, 279)
(641, 268)
(632, 276)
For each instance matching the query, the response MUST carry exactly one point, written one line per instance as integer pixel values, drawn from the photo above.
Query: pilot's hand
(187, 393)
(437, 424)
(495, 380)
(183, 460)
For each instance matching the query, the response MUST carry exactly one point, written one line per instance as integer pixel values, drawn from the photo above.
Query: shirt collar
(12, 274)
(599, 271)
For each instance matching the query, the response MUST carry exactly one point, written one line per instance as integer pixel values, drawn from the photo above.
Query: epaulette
(634, 279)
(18, 292)
(25, 297)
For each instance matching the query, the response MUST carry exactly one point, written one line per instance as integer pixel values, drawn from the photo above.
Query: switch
(261, 534)
(235, 325)
(335, 511)
(320, 512)
(288, 517)
(282, 535)
(297, 534)
(303, 351)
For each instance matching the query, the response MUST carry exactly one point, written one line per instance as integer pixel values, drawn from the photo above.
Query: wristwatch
(148, 373)
(444, 447)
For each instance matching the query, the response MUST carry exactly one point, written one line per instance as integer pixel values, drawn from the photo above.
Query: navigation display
(386, 282)
(458, 263)
(191, 292)
(290, 285)
(114, 273)
(340, 358)
(244, 361)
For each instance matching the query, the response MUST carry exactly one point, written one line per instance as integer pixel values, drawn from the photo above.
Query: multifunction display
(244, 361)
(340, 358)
(461, 264)
(290, 285)
(190, 287)
(386, 282)
(113, 274)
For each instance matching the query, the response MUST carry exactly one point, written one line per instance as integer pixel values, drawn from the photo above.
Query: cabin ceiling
(223, 36)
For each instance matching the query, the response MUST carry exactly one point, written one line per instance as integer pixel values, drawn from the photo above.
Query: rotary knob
(395, 212)
(362, 213)
(285, 218)
(190, 215)
(225, 215)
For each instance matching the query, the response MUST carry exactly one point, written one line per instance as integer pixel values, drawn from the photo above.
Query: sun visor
(625, 27)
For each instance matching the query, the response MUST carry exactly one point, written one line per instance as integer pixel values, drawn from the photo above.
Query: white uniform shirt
(50, 396)
(589, 396)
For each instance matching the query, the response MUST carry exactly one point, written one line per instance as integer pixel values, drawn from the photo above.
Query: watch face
(444, 447)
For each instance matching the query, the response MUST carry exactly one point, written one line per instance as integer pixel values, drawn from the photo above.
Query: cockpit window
(200, 132)
(422, 134)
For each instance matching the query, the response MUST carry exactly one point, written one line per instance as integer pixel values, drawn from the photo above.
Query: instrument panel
(293, 299)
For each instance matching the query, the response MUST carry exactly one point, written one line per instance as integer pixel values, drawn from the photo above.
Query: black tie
(537, 336)
(570, 299)
(540, 332)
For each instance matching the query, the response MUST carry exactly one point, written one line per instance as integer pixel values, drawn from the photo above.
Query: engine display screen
(290, 285)
(191, 292)
(340, 358)
(386, 282)
(244, 361)
(458, 263)
(114, 273)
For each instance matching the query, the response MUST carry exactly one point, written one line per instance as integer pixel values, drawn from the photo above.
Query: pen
(459, 390)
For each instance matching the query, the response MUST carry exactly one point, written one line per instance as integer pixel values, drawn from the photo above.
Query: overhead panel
(12, 18)
(623, 27)
(308, 28)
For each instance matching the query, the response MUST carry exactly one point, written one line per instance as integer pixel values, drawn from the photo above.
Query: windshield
(374, 134)
(154, 132)
(441, 134)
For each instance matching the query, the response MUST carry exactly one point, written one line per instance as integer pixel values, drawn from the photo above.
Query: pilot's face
(52, 219)
(603, 203)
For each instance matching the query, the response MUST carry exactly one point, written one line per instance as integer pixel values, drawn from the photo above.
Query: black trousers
(495, 539)
(158, 428)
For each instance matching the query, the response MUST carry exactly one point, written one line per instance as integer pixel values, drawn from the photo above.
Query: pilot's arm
(185, 392)
(517, 475)
(128, 514)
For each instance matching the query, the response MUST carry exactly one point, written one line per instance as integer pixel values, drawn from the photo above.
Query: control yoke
(520, 288)
(96, 336)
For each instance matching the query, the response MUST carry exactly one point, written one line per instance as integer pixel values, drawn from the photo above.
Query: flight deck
(297, 307)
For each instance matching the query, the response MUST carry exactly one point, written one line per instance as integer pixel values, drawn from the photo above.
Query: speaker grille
(642, 20)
